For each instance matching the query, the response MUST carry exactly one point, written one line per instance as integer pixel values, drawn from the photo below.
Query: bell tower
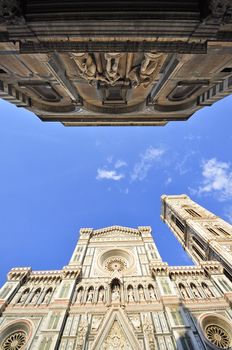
(204, 235)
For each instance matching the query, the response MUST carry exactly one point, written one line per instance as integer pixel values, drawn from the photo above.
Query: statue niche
(207, 290)
(183, 291)
(36, 296)
(151, 292)
(47, 296)
(130, 293)
(141, 293)
(90, 295)
(195, 290)
(101, 295)
(115, 291)
(24, 296)
(79, 295)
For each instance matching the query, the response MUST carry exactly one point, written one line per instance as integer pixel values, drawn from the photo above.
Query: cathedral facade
(117, 293)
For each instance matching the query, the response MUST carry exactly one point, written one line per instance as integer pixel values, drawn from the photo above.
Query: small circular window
(218, 336)
(216, 330)
(15, 341)
(15, 335)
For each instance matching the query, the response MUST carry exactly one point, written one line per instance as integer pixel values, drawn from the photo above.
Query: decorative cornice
(212, 267)
(185, 271)
(71, 272)
(114, 46)
(18, 273)
(159, 269)
(121, 229)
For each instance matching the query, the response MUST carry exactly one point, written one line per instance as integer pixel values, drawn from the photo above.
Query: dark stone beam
(114, 46)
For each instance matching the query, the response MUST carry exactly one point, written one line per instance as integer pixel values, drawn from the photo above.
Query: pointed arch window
(211, 230)
(192, 212)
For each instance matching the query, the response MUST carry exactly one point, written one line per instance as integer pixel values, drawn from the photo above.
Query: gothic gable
(116, 333)
(116, 232)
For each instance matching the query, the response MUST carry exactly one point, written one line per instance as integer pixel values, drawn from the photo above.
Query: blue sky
(54, 180)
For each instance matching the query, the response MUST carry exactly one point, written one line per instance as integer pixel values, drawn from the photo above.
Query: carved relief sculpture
(149, 332)
(116, 339)
(112, 67)
(82, 331)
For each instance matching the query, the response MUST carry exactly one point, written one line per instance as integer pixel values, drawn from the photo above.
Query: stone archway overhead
(127, 63)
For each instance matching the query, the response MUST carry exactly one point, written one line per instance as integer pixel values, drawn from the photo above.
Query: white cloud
(168, 181)
(217, 179)
(103, 174)
(119, 164)
(147, 159)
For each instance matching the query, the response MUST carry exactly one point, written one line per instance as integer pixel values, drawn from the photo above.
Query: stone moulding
(113, 46)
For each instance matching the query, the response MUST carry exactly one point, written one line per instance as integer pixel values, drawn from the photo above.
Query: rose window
(218, 336)
(15, 341)
(116, 260)
(115, 264)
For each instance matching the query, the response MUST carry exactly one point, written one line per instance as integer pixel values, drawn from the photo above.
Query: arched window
(192, 212)
(36, 296)
(211, 230)
(207, 290)
(24, 296)
(223, 231)
(195, 290)
(47, 296)
(183, 291)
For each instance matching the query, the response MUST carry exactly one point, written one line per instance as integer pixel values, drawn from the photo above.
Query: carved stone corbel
(11, 11)
(220, 10)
